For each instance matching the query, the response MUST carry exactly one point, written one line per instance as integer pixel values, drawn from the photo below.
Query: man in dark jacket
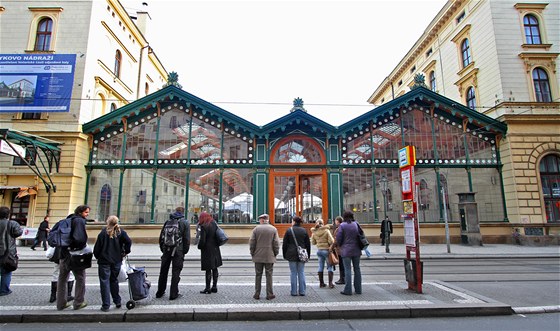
(173, 255)
(42, 234)
(78, 241)
(9, 231)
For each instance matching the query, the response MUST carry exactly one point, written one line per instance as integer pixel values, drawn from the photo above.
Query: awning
(23, 190)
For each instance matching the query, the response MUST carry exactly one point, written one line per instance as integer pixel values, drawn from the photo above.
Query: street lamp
(384, 184)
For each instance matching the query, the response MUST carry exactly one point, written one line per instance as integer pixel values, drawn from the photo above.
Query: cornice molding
(124, 48)
(46, 9)
(530, 6)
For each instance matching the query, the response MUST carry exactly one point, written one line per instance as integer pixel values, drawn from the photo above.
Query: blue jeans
(355, 261)
(109, 283)
(6, 278)
(323, 254)
(297, 277)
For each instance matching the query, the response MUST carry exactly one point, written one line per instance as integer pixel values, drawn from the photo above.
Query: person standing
(78, 241)
(386, 230)
(42, 233)
(174, 243)
(210, 255)
(9, 231)
(264, 246)
(111, 246)
(334, 247)
(347, 240)
(321, 237)
(290, 252)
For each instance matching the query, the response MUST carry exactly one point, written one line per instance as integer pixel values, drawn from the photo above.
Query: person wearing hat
(264, 246)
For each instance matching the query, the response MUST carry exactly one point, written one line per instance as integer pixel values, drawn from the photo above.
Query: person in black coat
(111, 246)
(173, 256)
(386, 229)
(290, 253)
(210, 255)
(42, 234)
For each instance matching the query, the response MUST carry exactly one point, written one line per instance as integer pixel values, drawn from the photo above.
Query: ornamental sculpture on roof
(419, 81)
(298, 105)
(173, 79)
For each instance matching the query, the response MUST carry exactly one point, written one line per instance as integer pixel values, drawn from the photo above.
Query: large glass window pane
(107, 147)
(486, 184)
(103, 193)
(417, 127)
(174, 134)
(238, 148)
(141, 141)
(428, 206)
(452, 181)
(170, 192)
(205, 143)
(387, 141)
(204, 190)
(237, 188)
(358, 193)
(136, 203)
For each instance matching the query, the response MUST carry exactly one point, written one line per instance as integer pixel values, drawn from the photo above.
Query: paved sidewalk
(380, 299)
(397, 251)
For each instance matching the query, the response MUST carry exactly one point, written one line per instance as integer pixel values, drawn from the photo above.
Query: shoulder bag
(302, 252)
(362, 240)
(221, 236)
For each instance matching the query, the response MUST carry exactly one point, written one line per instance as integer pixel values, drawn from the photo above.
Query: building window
(30, 156)
(429, 52)
(542, 87)
(43, 35)
(20, 209)
(460, 17)
(433, 80)
(113, 106)
(550, 180)
(465, 52)
(532, 32)
(146, 89)
(118, 59)
(31, 116)
(471, 98)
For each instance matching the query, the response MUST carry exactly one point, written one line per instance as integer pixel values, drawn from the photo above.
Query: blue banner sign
(36, 83)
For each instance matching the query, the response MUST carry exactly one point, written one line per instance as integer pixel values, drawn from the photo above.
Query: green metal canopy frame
(49, 149)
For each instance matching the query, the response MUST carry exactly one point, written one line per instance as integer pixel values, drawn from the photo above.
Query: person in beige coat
(264, 246)
(322, 238)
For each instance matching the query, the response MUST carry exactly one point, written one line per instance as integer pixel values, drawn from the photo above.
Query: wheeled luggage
(138, 285)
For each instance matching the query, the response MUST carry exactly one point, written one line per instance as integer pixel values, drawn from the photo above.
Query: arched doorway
(298, 182)
(550, 180)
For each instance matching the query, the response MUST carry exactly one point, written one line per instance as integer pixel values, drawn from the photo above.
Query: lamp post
(384, 184)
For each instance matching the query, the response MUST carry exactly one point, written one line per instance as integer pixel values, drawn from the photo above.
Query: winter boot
(215, 275)
(331, 276)
(208, 279)
(321, 281)
(53, 292)
(70, 286)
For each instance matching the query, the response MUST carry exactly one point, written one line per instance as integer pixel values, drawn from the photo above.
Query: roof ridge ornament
(173, 79)
(298, 105)
(419, 81)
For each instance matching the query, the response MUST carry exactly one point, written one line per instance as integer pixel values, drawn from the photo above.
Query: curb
(536, 310)
(262, 314)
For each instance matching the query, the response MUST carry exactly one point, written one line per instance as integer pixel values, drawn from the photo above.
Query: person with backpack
(210, 255)
(70, 235)
(112, 244)
(174, 243)
(9, 231)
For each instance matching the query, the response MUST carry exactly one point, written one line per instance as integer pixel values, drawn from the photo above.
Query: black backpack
(170, 235)
(60, 234)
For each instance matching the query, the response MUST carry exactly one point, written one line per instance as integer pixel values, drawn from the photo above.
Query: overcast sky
(253, 58)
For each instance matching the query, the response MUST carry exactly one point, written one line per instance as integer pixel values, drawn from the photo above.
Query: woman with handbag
(295, 237)
(322, 238)
(349, 242)
(111, 246)
(210, 255)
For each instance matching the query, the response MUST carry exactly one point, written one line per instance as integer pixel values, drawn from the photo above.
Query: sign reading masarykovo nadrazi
(36, 82)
